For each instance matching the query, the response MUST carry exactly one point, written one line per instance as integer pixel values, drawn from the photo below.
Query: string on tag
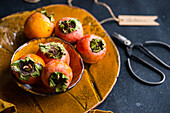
(110, 11)
(126, 20)
(105, 5)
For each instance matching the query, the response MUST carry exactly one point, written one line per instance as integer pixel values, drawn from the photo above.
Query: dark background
(128, 95)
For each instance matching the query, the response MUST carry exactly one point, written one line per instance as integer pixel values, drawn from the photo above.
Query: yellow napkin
(7, 107)
(99, 111)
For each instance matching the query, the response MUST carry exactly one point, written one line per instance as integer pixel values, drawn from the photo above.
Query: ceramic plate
(96, 83)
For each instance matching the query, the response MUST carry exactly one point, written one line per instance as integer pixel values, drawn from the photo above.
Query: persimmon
(69, 29)
(52, 50)
(39, 25)
(92, 48)
(57, 75)
(27, 68)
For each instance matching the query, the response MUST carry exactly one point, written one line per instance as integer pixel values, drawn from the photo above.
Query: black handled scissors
(131, 55)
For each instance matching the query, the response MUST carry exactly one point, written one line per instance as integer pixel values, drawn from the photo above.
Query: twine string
(110, 11)
(105, 5)
(69, 3)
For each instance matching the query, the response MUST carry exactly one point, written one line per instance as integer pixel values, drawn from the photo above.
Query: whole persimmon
(92, 48)
(57, 75)
(39, 25)
(69, 29)
(53, 50)
(27, 68)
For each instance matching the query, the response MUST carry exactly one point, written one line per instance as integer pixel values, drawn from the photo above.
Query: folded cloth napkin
(6, 107)
(99, 111)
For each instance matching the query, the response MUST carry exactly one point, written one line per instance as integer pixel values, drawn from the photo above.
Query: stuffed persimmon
(39, 25)
(52, 50)
(57, 75)
(69, 29)
(92, 48)
(27, 68)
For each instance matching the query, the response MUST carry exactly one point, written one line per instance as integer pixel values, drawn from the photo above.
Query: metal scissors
(131, 55)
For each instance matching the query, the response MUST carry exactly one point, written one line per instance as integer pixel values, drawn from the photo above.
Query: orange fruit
(69, 29)
(27, 68)
(38, 25)
(92, 48)
(57, 75)
(52, 50)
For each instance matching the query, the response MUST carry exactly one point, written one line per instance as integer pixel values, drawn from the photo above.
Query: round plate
(96, 83)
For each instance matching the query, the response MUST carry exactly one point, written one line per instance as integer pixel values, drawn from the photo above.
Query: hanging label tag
(130, 20)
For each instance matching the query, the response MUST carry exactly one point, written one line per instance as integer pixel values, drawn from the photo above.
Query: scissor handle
(154, 56)
(157, 42)
(149, 65)
(140, 46)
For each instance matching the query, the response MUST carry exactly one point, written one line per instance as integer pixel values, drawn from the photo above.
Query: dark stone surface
(128, 95)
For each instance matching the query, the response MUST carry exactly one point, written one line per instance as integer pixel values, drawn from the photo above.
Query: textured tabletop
(128, 95)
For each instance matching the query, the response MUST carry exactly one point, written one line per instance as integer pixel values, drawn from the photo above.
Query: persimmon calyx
(44, 12)
(58, 81)
(68, 26)
(51, 16)
(97, 45)
(53, 50)
(27, 68)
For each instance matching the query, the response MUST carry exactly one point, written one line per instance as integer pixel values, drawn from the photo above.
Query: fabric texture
(7, 107)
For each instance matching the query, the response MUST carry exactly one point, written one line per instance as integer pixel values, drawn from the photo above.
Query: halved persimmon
(28, 68)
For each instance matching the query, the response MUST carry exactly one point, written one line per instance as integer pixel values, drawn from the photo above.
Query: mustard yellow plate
(97, 80)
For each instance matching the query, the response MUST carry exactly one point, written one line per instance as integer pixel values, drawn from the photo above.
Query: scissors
(129, 48)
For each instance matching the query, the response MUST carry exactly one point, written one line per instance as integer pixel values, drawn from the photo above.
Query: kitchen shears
(129, 48)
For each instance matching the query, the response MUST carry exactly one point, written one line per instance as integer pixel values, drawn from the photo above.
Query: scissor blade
(121, 39)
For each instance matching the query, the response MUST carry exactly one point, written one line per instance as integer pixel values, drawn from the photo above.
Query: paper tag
(133, 20)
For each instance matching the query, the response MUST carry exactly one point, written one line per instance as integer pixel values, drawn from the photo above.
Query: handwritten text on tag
(133, 20)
